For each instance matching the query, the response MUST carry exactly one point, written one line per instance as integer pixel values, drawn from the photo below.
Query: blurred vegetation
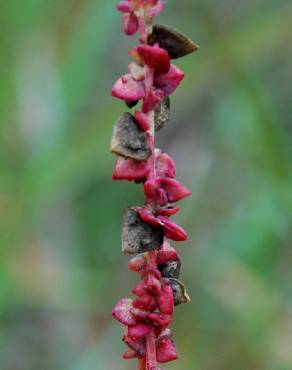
(61, 269)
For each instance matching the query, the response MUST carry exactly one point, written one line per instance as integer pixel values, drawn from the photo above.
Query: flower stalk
(148, 230)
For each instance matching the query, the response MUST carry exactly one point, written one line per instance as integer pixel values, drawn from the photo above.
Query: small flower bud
(130, 24)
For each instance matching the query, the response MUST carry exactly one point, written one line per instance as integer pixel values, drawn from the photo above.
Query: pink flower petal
(155, 57)
(165, 166)
(126, 88)
(169, 81)
(122, 312)
(172, 230)
(131, 170)
(139, 331)
(130, 23)
(165, 300)
(166, 351)
(175, 190)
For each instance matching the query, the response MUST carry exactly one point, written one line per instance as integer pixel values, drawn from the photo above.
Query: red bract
(165, 300)
(146, 230)
(122, 312)
(155, 57)
(126, 88)
(164, 165)
(166, 351)
(131, 170)
(139, 331)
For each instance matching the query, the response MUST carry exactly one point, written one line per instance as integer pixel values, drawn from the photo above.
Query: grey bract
(129, 140)
(137, 235)
(162, 114)
(179, 292)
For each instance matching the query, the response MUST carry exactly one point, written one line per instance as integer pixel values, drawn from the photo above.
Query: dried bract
(174, 42)
(129, 140)
(137, 235)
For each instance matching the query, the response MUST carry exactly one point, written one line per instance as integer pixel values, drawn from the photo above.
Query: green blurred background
(61, 270)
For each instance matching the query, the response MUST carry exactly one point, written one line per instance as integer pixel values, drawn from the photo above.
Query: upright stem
(142, 364)
(151, 362)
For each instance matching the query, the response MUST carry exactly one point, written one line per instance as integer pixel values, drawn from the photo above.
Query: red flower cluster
(146, 230)
(138, 11)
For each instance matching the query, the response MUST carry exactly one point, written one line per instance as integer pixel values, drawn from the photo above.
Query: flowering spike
(146, 230)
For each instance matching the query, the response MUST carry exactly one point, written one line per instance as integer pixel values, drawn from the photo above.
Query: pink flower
(152, 8)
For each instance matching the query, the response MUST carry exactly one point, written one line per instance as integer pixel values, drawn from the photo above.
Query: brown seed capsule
(179, 292)
(170, 269)
(137, 235)
(162, 114)
(129, 140)
(175, 43)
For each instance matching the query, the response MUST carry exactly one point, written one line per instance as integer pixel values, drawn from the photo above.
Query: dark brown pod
(170, 269)
(129, 140)
(131, 103)
(137, 235)
(179, 292)
(175, 43)
(162, 114)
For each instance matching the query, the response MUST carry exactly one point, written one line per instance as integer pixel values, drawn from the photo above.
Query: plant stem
(142, 364)
(151, 362)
